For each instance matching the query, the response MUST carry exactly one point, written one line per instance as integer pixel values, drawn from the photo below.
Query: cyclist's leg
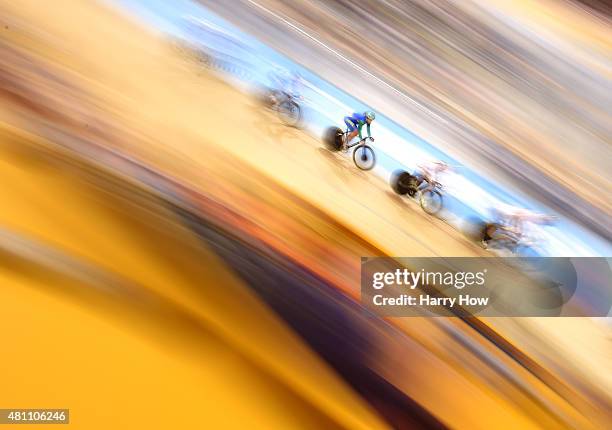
(503, 236)
(421, 179)
(277, 88)
(352, 129)
(350, 125)
(488, 233)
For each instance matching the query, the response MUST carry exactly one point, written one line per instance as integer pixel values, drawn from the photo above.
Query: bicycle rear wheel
(290, 113)
(431, 201)
(403, 183)
(333, 138)
(364, 158)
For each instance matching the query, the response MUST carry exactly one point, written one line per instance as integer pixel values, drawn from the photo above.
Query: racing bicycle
(285, 105)
(363, 154)
(428, 192)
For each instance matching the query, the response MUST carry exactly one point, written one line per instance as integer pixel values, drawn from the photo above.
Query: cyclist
(513, 224)
(519, 218)
(355, 123)
(285, 83)
(429, 171)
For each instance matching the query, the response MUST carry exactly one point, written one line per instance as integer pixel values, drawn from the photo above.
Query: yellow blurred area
(101, 319)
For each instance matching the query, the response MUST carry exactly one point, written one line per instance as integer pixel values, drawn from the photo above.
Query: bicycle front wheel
(431, 201)
(364, 158)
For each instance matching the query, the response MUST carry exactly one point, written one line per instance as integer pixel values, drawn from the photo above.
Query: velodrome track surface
(181, 122)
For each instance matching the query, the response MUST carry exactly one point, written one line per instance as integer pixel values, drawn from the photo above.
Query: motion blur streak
(170, 255)
(171, 306)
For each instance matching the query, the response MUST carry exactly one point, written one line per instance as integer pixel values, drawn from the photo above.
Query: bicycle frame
(431, 186)
(359, 142)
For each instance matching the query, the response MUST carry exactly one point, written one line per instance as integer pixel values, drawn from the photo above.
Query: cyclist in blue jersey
(355, 123)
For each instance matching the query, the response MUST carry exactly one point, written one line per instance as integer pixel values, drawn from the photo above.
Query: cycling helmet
(441, 164)
(370, 115)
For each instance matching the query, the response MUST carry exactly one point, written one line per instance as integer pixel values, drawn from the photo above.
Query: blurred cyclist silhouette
(514, 225)
(285, 83)
(430, 171)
